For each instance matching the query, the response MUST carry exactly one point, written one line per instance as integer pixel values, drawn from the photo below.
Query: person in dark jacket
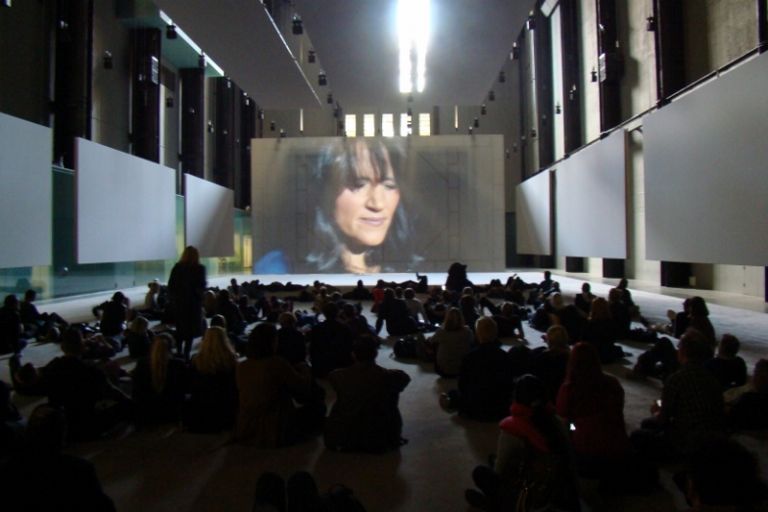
(41, 477)
(485, 380)
(365, 416)
(11, 328)
(330, 343)
(185, 288)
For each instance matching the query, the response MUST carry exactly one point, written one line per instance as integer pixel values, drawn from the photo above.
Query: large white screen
(444, 203)
(126, 206)
(25, 201)
(209, 217)
(533, 207)
(706, 172)
(591, 205)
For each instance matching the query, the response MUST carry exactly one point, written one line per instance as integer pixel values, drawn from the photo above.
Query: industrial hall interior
(384, 255)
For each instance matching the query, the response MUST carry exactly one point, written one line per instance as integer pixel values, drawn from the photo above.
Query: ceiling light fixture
(322, 79)
(413, 33)
(298, 26)
(311, 56)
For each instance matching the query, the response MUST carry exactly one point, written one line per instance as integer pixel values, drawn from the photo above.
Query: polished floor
(166, 468)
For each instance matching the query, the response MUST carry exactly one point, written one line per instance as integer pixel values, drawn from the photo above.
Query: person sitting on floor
(330, 343)
(723, 476)
(395, 313)
(112, 314)
(291, 342)
(691, 405)
(212, 403)
(365, 416)
(267, 387)
(137, 337)
(11, 327)
(583, 300)
(159, 383)
(549, 364)
(592, 403)
(152, 310)
(533, 450)
(36, 324)
(359, 292)
(415, 307)
(600, 331)
(41, 477)
(729, 369)
(451, 343)
(749, 411)
(485, 380)
(91, 404)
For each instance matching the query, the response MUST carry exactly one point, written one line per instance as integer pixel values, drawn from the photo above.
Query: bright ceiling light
(413, 34)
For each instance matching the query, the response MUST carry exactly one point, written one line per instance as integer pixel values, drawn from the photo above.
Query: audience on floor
(561, 416)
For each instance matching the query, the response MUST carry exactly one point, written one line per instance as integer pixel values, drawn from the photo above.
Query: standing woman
(185, 288)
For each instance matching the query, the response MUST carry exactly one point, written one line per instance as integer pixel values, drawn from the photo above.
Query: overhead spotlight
(476, 123)
(502, 77)
(650, 24)
(329, 99)
(283, 133)
(261, 114)
(491, 96)
(530, 23)
(170, 31)
(298, 25)
(469, 130)
(593, 75)
(515, 53)
(483, 110)
(533, 133)
(201, 61)
(271, 126)
(210, 127)
(169, 102)
(558, 109)
(107, 59)
(322, 79)
(311, 56)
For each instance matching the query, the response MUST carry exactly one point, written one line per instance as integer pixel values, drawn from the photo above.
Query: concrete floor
(166, 468)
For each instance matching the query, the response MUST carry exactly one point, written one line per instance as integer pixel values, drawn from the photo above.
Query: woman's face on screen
(364, 209)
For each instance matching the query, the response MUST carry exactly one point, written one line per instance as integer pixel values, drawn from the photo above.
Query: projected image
(364, 205)
(361, 213)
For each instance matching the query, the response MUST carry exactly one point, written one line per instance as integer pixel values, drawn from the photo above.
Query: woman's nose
(375, 199)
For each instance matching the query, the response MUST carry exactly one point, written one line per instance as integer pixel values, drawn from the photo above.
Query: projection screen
(591, 205)
(533, 207)
(209, 217)
(126, 206)
(26, 198)
(706, 172)
(377, 204)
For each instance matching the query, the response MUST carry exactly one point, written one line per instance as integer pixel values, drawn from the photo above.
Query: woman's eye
(390, 184)
(358, 184)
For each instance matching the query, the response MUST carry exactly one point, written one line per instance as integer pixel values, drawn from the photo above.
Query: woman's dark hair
(337, 170)
(698, 307)
(532, 392)
(261, 341)
(584, 365)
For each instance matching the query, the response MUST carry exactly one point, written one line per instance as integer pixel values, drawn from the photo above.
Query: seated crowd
(560, 416)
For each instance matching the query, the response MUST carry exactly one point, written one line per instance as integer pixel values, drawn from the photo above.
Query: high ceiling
(356, 42)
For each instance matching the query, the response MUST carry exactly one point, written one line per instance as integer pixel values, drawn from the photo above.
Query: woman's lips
(373, 221)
